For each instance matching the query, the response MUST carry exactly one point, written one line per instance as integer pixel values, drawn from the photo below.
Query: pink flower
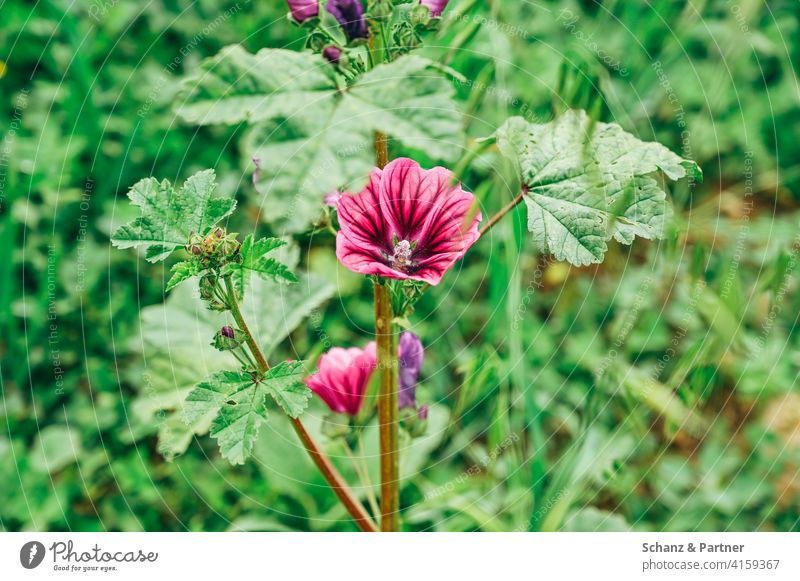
(436, 6)
(407, 223)
(343, 376)
(302, 10)
(333, 199)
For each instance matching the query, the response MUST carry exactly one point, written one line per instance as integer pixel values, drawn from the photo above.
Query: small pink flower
(343, 377)
(407, 223)
(302, 10)
(436, 6)
(333, 199)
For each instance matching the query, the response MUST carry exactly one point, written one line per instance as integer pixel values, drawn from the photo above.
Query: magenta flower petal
(343, 377)
(407, 223)
(436, 6)
(302, 10)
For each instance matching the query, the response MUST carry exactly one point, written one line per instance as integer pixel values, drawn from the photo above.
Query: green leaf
(284, 382)
(175, 345)
(313, 137)
(239, 401)
(170, 216)
(236, 86)
(183, 271)
(255, 260)
(587, 182)
(55, 447)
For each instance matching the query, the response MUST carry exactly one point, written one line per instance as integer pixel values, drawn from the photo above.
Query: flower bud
(411, 355)
(303, 10)
(350, 16)
(207, 284)
(415, 421)
(333, 54)
(228, 338)
(420, 15)
(381, 9)
(435, 6)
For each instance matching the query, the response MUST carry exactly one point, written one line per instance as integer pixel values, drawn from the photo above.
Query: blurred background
(657, 391)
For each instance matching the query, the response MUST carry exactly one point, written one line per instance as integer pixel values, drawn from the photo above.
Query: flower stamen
(401, 259)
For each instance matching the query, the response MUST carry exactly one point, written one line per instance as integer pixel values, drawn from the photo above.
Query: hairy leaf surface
(587, 182)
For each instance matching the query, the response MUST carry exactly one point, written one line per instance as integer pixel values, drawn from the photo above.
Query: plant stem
(334, 479)
(499, 216)
(323, 463)
(362, 471)
(388, 423)
(370, 489)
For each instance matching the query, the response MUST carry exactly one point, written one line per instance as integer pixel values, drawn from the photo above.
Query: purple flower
(228, 332)
(435, 6)
(332, 54)
(350, 15)
(302, 10)
(411, 355)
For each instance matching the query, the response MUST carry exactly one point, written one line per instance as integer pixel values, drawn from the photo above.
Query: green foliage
(237, 86)
(237, 402)
(89, 340)
(313, 136)
(175, 343)
(183, 271)
(254, 259)
(586, 183)
(169, 217)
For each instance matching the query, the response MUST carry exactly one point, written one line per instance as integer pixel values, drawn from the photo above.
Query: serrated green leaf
(285, 383)
(170, 216)
(255, 260)
(175, 343)
(236, 401)
(236, 86)
(239, 400)
(183, 271)
(312, 137)
(588, 182)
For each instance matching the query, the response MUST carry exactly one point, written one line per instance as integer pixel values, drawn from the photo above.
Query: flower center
(401, 259)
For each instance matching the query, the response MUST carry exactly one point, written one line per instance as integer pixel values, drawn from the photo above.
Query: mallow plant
(319, 123)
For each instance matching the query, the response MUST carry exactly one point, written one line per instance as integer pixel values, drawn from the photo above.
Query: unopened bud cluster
(401, 23)
(228, 338)
(214, 249)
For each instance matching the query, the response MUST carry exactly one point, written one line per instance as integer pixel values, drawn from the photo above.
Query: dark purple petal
(302, 10)
(411, 355)
(350, 15)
